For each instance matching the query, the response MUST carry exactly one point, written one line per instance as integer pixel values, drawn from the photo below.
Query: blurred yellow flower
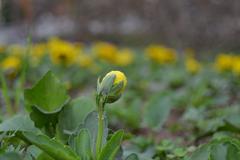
(62, 52)
(236, 66)
(17, 50)
(37, 52)
(79, 45)
(85, 60)
(11, 64)
(2, 48)
(124, 57)
(105, 51)
(224, 62)
(192, 65)
(161, 54)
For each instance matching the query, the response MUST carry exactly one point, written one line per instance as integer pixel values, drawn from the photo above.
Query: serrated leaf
(52, 147)
(48, 94)
(111, 148)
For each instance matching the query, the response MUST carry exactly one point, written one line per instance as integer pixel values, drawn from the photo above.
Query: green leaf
(91, 123)
(33, 151)
(52, 147)
(74, 114)
(157, 111)
(81, 144)
(10, 156)
(129, 115)
(18, 123)
(40, 119)
(48, 94)
(119, 154)
(225, 150)
(44, 156)
(233, 153)
(111, 148)
(221, 149)
(202, 153)
(132, 156)
(219, 152)
(179, 152)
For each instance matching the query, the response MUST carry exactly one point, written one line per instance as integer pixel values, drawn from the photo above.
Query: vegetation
(71, 101)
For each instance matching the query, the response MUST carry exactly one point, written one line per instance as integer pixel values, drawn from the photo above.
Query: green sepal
(105, 85)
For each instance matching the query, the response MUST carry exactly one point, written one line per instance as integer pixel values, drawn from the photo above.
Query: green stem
(21, 80)
(100, 129)
(6, 96)
(18, 95)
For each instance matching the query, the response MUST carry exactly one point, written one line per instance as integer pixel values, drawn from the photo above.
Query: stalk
(100, 128)
(22, 79)
(6, 95)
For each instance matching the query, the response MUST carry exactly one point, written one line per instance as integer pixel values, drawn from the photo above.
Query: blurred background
(204, 25)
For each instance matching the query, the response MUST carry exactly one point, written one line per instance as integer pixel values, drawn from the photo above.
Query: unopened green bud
(112, 86)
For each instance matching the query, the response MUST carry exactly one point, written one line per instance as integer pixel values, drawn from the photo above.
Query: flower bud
(111, 86)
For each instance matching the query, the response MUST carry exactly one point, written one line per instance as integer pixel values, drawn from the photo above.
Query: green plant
(62, 129)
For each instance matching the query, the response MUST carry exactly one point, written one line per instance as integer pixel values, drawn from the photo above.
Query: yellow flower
(2, 48)
(105, 51)
(17, 50)
(119, 77)
(62, 52)
(161, 54)
(124, 57)
(79, 45)
(85, 60)
(11, 63)
(37, 52)
(224, 62)
(236, 66)
(192, 65)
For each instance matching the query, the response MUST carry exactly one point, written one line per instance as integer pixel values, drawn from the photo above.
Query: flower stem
(100, 129)
(6, 96)
(22, 78)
